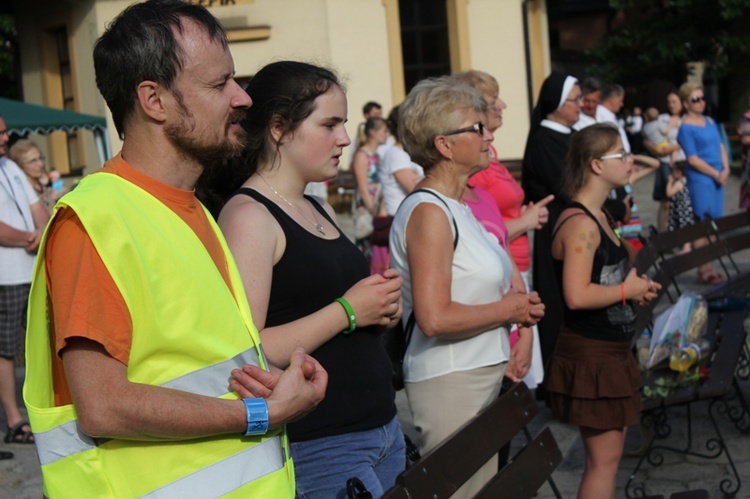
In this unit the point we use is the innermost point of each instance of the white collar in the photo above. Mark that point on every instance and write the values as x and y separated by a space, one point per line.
553 125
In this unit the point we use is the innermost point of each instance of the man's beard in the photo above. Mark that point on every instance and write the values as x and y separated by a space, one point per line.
207 154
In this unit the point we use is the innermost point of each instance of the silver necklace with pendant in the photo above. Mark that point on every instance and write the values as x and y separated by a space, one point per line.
314 223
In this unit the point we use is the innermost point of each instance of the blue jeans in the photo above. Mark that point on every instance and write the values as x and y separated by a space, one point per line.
322 466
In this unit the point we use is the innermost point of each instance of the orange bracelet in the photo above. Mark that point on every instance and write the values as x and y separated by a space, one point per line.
622 292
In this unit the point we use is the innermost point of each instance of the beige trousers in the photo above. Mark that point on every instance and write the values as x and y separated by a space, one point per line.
439 406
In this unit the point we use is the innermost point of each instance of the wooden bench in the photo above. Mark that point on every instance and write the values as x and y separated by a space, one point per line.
726 334
444 469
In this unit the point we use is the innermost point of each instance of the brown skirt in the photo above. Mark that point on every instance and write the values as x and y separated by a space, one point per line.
593 383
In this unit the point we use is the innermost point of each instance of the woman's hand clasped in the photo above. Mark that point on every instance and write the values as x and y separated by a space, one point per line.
640 289
527 309
376 300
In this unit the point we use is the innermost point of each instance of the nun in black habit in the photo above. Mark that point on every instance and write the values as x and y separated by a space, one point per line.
547 146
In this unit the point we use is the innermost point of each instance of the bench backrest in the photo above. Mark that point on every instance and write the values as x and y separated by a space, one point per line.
444 469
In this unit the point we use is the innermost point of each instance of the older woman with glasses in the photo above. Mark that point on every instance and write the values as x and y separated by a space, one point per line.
708 166
456 276
48 185
503 191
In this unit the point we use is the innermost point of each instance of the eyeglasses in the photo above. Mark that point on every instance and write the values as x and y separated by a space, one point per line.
39 159
477 128
697 98
578 99
623 156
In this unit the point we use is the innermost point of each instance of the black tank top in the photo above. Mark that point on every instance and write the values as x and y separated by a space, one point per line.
615 322
311 274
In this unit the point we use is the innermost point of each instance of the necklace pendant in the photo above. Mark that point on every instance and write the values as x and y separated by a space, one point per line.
320 229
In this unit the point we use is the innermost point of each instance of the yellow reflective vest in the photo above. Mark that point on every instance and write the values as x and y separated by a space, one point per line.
189 331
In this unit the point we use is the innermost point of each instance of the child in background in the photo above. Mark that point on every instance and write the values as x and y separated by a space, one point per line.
680 208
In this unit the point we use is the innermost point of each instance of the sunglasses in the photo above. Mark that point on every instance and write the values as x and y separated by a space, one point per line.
477 128
697 99
623 156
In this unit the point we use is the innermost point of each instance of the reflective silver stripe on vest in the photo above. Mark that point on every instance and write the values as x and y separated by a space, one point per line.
212 381
63 441
226 475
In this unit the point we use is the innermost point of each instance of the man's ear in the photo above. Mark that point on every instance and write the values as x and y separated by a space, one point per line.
444 146
150 98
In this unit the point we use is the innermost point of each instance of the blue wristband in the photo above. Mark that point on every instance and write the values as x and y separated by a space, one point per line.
257 416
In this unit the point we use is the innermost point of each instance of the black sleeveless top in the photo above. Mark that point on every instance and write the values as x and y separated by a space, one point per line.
311 274
615 322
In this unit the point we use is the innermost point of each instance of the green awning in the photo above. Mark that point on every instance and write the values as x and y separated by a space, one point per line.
22 118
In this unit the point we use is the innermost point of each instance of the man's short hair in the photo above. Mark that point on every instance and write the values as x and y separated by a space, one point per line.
590 85
612 90
140 45
369 106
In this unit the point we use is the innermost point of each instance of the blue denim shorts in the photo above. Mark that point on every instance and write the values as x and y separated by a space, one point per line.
323 465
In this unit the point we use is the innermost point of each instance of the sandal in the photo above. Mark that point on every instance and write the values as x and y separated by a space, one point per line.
710 277
17 435
5 455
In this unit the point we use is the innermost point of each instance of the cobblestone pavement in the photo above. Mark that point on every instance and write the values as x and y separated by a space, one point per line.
20 477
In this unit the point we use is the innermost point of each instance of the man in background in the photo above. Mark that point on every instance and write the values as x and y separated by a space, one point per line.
22 219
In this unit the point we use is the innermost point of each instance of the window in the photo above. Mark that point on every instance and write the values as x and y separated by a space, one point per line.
424 40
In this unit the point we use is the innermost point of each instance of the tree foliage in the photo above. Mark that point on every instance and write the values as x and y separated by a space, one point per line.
8 57
661 36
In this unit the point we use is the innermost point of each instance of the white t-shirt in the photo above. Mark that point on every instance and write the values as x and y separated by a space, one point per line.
481 274
16 198
584 120
604 115
395 159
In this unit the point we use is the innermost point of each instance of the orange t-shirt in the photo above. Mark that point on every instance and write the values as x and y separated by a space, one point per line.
83 299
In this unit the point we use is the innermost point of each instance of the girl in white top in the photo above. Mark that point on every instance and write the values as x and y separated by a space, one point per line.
398 173
461 298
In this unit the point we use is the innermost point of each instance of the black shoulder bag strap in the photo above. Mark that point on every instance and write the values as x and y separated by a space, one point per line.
410 322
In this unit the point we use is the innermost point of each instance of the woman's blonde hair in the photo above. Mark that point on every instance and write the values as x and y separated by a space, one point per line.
686 89
434 107
484 83
20 148
372 124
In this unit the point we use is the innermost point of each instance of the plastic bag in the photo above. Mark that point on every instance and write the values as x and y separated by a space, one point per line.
681 324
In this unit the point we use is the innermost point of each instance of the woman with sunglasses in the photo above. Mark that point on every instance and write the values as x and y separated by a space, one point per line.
592 378
708 166
456 276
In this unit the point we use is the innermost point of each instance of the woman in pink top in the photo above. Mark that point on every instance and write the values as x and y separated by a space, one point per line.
508 197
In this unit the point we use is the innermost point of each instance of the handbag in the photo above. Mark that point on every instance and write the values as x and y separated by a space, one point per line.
363 219
362 223
396 340
381 230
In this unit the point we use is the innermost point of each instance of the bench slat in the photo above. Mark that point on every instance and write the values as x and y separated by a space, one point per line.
528 471
731 334
444 469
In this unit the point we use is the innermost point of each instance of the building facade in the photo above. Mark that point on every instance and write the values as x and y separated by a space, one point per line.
380 48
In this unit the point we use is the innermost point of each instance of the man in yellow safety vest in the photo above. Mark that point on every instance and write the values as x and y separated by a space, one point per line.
140 342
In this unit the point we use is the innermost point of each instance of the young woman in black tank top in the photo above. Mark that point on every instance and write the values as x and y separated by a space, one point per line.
592 377
295 263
